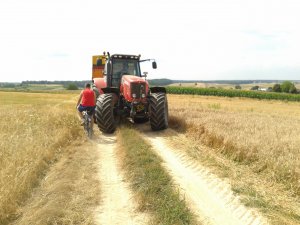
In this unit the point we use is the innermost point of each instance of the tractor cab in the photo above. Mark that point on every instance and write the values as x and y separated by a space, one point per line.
119 65
124 65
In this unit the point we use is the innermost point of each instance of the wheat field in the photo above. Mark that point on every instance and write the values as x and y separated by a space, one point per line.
257 138
37 128
267 132
34 129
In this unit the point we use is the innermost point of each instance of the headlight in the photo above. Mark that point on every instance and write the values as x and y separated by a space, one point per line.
134 95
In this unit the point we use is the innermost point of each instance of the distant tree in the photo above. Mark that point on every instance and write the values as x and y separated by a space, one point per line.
238 87
72 87
276 88
255 88
293 90
160 82
288 87
8 85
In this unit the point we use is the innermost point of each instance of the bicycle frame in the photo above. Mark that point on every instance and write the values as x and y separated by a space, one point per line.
88 123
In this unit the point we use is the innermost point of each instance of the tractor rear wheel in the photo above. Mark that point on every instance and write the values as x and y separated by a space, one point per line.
158 109
106 119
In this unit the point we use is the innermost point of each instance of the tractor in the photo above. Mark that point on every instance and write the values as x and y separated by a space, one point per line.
125 93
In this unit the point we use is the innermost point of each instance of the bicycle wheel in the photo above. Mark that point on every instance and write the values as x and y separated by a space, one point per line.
89 127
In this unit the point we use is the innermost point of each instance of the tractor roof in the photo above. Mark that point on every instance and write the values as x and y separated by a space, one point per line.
121 56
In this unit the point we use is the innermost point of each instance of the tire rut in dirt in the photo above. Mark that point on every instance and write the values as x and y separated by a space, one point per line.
105 113
158 111
117 206
208 196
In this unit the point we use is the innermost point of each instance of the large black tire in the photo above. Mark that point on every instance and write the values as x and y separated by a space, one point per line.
158 109
106 119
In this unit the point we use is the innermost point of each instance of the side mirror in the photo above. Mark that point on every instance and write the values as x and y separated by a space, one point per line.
108 68
154 66
145 74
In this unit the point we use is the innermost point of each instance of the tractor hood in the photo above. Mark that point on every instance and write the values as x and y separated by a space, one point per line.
134 87
132 79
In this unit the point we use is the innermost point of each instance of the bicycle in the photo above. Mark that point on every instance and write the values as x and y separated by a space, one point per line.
87 125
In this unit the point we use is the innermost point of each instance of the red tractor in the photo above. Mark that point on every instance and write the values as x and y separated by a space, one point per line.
125 92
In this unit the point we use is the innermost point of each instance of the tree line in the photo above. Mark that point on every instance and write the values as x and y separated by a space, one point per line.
78 84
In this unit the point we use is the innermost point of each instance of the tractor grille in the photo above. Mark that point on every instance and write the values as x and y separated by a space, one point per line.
138 89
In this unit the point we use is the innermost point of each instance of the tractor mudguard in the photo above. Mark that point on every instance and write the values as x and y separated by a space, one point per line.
158 89
114 90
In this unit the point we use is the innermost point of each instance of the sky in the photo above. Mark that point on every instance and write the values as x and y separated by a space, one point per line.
190 39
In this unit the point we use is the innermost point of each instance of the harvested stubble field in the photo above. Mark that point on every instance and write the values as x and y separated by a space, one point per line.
256 145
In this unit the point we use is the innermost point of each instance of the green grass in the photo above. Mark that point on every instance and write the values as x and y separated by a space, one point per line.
277 213
232 93
151 183
253 199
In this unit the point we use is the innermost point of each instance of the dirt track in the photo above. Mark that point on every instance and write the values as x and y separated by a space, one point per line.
209 198
117 205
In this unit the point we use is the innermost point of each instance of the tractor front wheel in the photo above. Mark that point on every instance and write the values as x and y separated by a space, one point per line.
158 109
106 119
